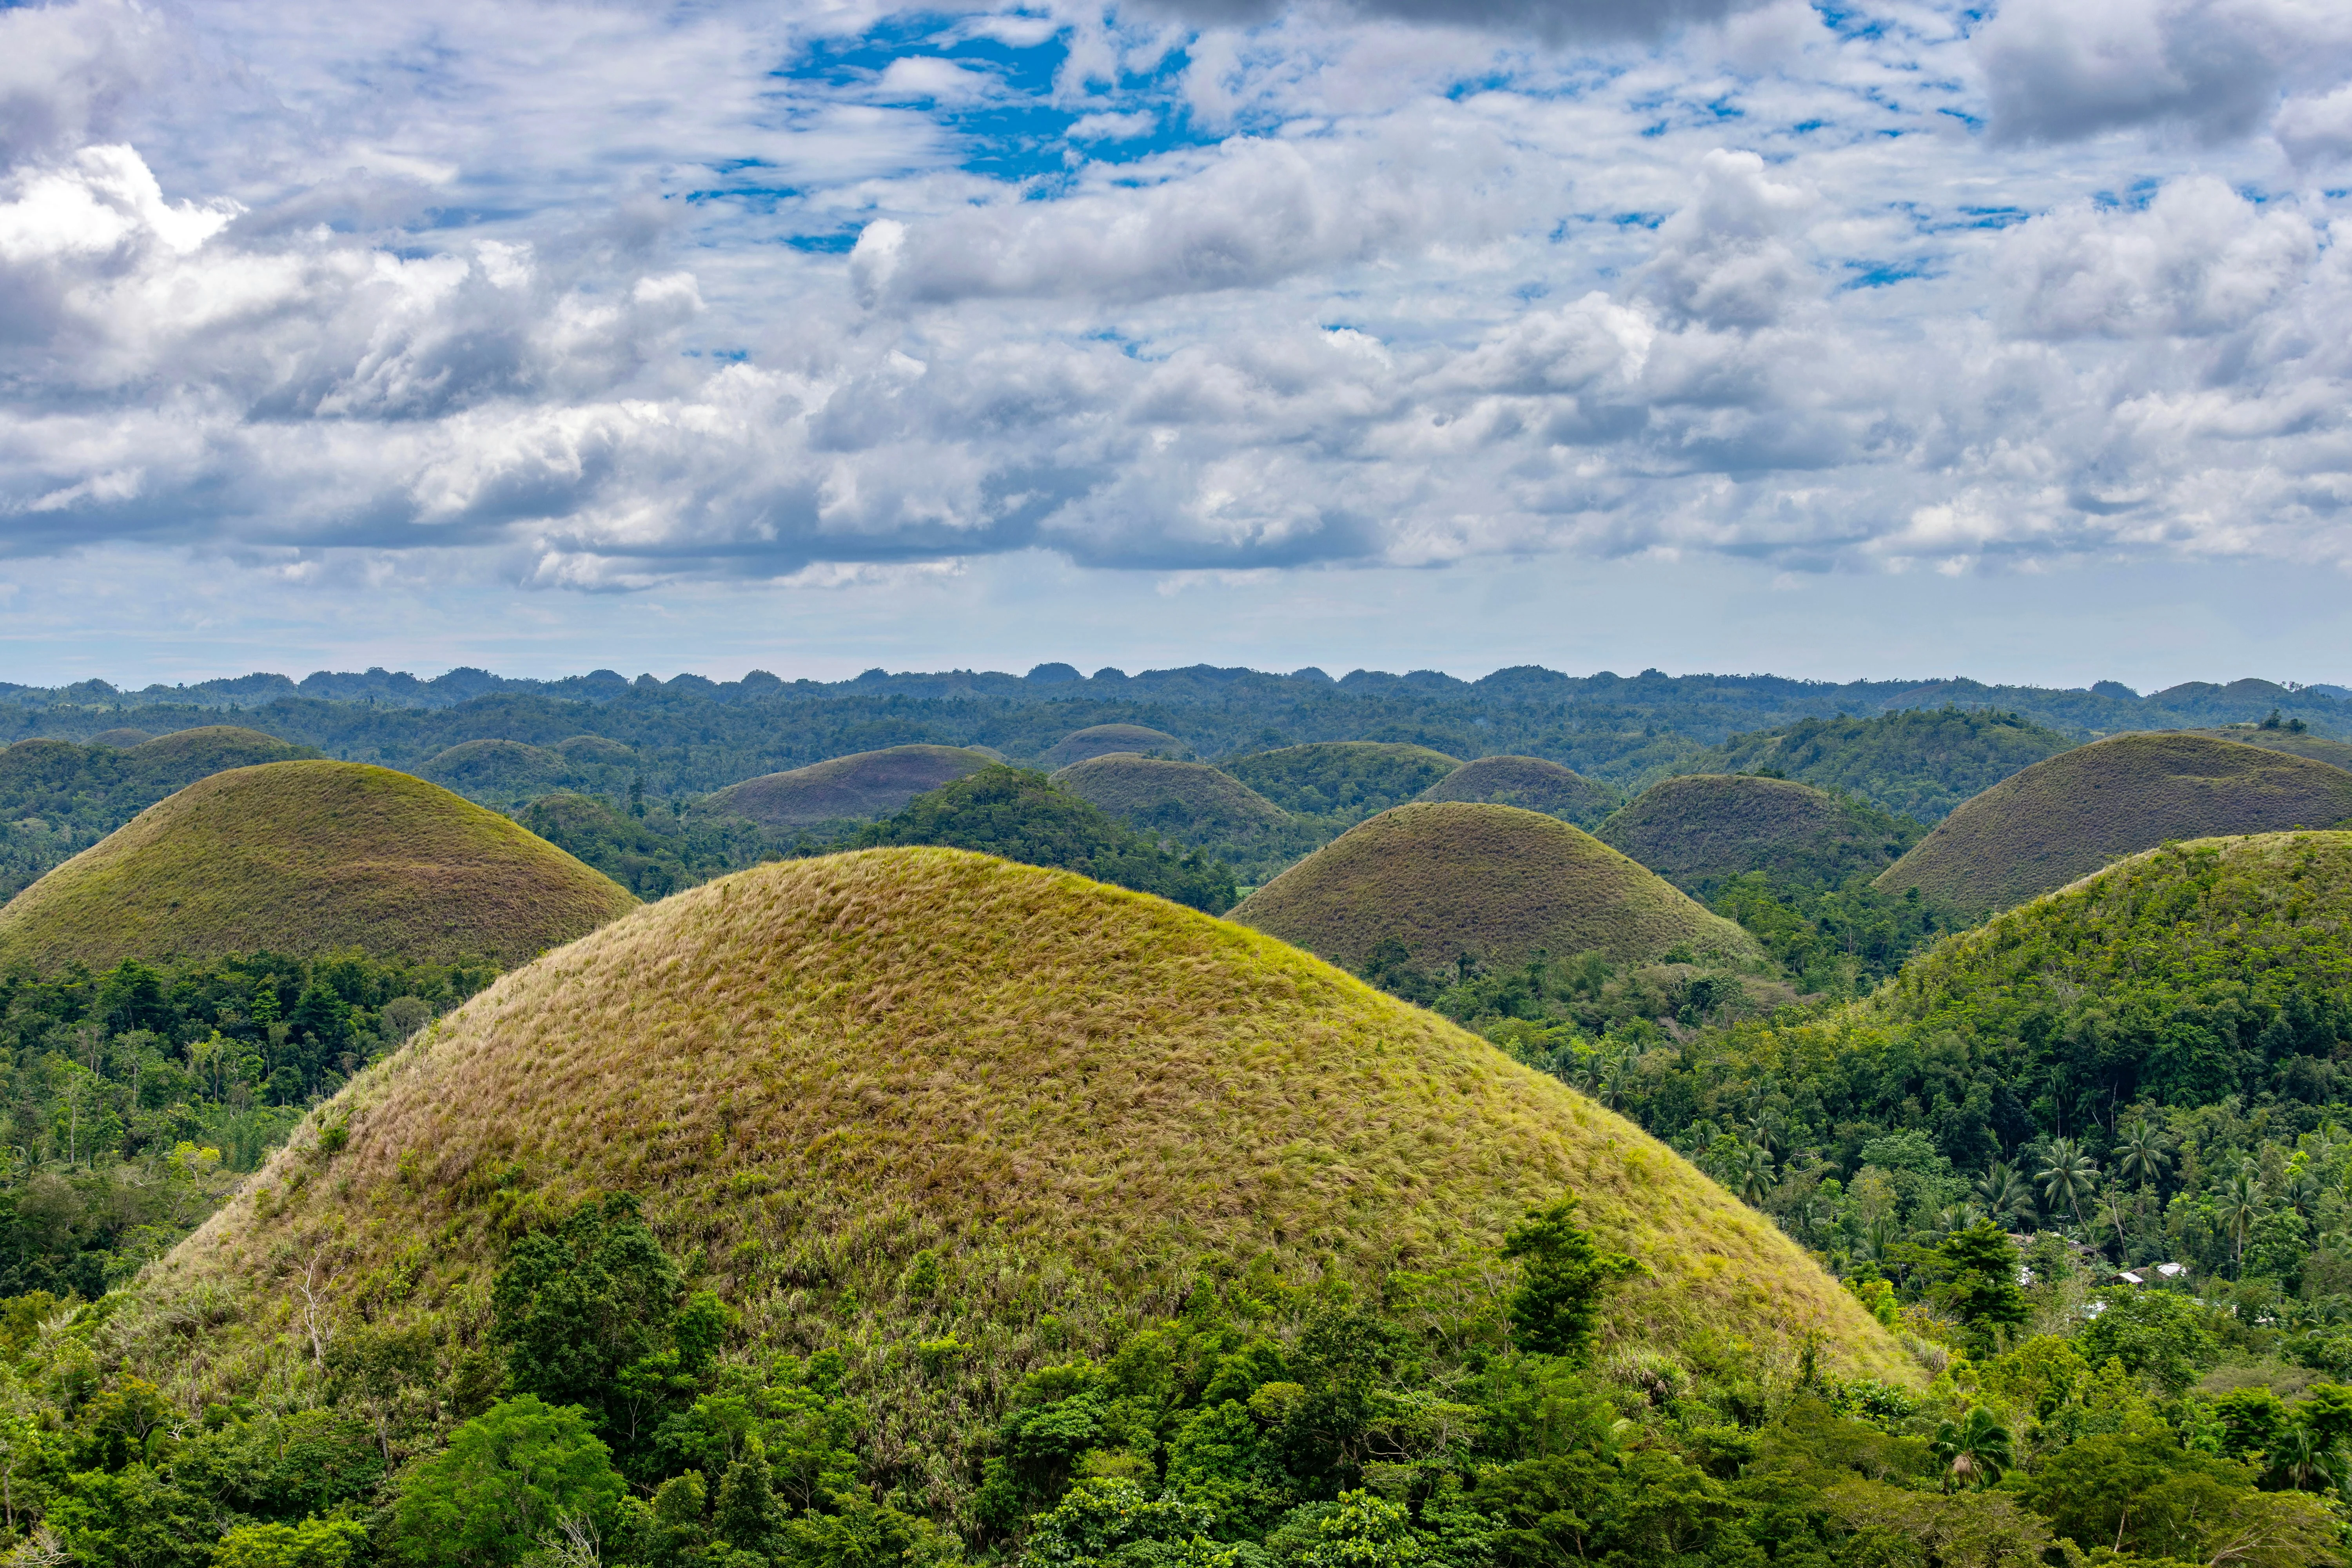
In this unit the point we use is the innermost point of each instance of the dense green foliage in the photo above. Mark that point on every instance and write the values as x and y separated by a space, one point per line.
1019 816
1198 806
1337 783
136 1096
653 851
1920 763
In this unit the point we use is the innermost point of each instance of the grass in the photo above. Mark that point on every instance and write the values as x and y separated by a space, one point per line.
1196 806
2319 748
120 740
1075 1096
1107 739
1342 782
1700 831
1529 783
505 767
2065 817
1493 881
309 857
183 757
846 789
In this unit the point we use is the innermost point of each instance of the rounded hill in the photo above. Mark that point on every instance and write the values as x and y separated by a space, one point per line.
595 749
867 784
1342 781
1531 783
120 740
2319 748
184 756
2067 817
1057 1099
1494 882
309 857
1105 739
1180 799
483 767
1700 830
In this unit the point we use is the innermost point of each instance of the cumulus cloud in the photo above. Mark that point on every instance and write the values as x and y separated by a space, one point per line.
1553 21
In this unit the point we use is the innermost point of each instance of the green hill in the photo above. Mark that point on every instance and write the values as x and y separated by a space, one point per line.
1109 740
2319 748
923 1098
120 740
1530 784
846 789
1340 783
1494 882
495 767
2067 817
57 797
595 751
1699 832
1919 763
309 857
1194 805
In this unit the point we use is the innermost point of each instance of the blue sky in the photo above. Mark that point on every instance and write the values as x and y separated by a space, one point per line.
1830 339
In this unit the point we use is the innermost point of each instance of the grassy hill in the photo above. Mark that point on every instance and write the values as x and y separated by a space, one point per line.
1052 1103
495 767
1194 805
846 789
120 740
1528 783
2067 817
57 797
1107 739
309 857
1340 783
1492 882
1921 762
2319 748
653 853
1699 832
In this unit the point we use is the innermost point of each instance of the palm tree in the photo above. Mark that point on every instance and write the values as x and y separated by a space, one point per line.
1975 1450
2240 1206
2299 1460
2070 1176
2006 1194
2141 1155
1752 1177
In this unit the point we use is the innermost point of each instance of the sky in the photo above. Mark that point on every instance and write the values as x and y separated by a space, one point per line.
2006 340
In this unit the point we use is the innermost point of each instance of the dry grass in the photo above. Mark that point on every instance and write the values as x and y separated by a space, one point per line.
1529 783
2065 817
2319 748
120 740
1491 880
1131 786
1076 1095
852 788
309 858
184 756
1698 830
1108 740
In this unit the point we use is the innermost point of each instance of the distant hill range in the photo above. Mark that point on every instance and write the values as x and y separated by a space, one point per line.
1920 763
1700 831
2068 816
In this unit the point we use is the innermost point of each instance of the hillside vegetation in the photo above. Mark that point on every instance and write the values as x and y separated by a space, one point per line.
502 768
309 857
1494 884
1701 831
1530 784
846 789
651 851
2301 744
1053 1102
2067 817
1920 763
1340 783
1109 739
1192 804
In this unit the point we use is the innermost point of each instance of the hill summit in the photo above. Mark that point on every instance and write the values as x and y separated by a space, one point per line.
1059 1100
845 789
1491 882
309 857
1529 783
2067 817
1700 830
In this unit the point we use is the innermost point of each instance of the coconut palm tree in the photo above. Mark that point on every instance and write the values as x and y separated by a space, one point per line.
2142 1155
2299 1460
2239 1206
2006 1196
2069 1176
1974 1450
1751 1178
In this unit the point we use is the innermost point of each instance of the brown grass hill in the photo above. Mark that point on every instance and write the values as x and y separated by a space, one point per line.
120 740
1342 782
595 751
1185 801
305 858
496 768
1107 739
2319 748
846 789
1700 831
1070 1097
2065 817
1531 783
1492 882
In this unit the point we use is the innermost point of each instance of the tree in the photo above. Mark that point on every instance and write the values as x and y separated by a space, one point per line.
2157 1335
1367 1532
1980 1280
1975 1450
508 1477
2142 1156
2068 1176
313 1544
577 1303
2008 1197
2239 1207
1751 1178
1563 1276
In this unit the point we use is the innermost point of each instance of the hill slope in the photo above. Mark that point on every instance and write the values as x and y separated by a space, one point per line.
501 767
2319 748
309 857
2066 817
1492 882
1109 739
1194 805
1529 783
846 789
1069 1095
1341 782
1698 832
1921 762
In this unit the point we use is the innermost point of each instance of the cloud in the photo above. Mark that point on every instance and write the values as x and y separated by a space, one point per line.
1552 21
